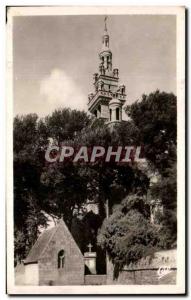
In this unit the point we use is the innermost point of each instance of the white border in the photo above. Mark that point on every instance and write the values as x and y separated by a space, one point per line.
114 289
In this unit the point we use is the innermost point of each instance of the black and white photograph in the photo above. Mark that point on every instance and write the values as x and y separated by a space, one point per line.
96 150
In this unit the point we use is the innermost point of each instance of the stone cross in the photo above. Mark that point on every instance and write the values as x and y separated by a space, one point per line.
90 247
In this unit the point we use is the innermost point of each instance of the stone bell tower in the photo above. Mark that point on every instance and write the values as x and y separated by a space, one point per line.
108 98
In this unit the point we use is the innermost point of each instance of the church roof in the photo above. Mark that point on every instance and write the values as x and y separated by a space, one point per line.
43 240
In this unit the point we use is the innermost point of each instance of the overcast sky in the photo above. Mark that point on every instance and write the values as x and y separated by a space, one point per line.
56 56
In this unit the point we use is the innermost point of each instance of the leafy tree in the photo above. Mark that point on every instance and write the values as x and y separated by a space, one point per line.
65 123
28 164
99 181
127 234
66 190
32 193
155 117
111 181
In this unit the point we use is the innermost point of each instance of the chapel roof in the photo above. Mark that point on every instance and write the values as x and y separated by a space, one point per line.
43 240
40 245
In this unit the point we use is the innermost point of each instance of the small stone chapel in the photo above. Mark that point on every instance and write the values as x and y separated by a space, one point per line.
56 259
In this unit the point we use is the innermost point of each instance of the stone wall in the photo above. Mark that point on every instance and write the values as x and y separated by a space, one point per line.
95 279
31 274
20 274
161 269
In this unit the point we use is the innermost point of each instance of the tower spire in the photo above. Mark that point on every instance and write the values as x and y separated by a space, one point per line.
105 23
108 98
105 54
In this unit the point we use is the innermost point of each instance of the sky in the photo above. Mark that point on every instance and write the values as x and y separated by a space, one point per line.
55 57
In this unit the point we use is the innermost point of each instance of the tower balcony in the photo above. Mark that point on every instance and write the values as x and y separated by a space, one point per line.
94 98
121 97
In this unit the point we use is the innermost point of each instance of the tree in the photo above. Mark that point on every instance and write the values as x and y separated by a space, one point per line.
34 192
127 235
28 164
66 190
64 124
155 117
111 178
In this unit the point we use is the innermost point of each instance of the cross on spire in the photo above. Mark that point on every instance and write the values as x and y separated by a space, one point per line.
90 247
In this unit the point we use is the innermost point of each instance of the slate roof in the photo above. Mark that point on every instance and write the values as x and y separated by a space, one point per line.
40 245
43 240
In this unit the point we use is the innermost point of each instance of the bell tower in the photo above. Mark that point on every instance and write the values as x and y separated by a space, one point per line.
108 97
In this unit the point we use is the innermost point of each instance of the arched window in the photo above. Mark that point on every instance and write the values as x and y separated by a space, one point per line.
117 113
61 257
110 114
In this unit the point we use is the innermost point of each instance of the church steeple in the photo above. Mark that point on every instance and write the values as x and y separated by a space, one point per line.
108 98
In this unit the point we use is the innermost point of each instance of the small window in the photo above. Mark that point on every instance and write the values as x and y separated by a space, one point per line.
61 257
110 114
117 113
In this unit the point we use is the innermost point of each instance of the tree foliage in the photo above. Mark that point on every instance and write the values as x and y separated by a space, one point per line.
38 188
28 162
155 117
127 234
